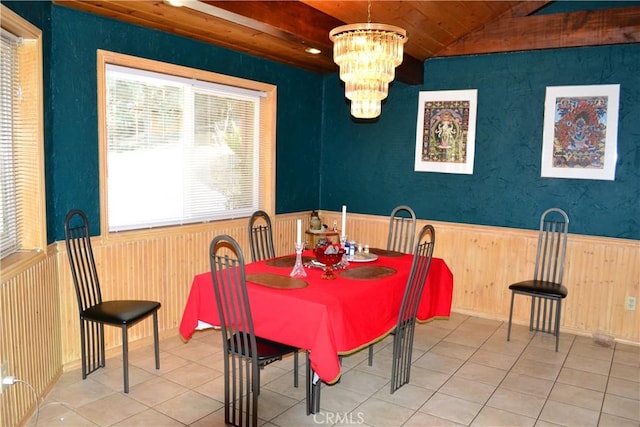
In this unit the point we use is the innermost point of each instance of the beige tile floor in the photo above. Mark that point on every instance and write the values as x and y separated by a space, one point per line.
464 373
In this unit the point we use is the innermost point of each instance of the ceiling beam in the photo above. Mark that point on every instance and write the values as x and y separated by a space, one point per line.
289 20
576 29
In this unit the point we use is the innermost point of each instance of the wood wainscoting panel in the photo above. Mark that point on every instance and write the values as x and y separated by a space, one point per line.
30 339
599 272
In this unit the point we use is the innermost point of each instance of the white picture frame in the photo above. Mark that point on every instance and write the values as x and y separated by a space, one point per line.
446 131
580 135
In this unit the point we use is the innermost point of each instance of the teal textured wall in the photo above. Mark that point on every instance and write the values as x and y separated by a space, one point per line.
325 159
72 152
369 165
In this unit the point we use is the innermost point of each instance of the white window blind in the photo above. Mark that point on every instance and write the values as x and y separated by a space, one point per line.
179 150
22 189
9 96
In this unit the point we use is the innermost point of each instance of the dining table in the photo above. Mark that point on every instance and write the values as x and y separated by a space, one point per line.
328 318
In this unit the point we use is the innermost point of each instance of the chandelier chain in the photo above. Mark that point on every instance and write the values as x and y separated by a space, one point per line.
369 12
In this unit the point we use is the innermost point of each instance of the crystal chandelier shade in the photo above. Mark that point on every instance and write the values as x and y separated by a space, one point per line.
367 55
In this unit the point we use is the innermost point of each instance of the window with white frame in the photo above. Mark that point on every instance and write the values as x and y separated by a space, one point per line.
180 149
22 197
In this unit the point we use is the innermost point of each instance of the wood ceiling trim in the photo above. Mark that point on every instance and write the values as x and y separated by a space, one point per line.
206 28
576 29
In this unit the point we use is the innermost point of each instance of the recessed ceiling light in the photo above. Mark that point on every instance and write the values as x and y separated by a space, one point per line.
312 50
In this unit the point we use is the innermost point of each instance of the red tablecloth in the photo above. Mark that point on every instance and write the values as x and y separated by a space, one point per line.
328 317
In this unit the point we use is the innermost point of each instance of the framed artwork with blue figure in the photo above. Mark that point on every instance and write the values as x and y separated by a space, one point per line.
446 129
580 134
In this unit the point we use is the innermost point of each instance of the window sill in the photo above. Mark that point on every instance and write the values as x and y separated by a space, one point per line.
19 262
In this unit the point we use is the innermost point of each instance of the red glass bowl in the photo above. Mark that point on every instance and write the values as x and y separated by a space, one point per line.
328 260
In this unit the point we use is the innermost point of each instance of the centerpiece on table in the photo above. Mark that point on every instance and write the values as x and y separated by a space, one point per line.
328 254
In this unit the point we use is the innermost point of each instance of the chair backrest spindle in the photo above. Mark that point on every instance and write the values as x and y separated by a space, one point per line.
552 245
422 256
81 260
402 229
261 236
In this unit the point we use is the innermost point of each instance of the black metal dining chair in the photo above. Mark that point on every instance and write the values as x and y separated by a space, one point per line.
261 236
403 333
246 354
402 230
94 311
546 289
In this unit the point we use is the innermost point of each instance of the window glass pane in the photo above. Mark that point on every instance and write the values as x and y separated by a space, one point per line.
9 90
179 151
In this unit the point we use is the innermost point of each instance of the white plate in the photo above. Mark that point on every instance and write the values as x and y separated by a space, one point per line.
362 257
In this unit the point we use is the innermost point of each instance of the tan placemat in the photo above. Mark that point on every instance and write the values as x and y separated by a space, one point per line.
276 281
367 272
384 252
287 261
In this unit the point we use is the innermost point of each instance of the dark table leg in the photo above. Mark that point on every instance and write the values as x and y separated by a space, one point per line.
313 391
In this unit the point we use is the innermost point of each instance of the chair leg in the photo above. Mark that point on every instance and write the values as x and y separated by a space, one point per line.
252 407
533 310
228 409
308 381
156 339
313 390
513 294
316 396
125 358
370 355
103 355
257 390
547 312
557 331
83 348
295 369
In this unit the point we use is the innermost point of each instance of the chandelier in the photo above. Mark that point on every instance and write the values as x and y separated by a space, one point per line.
367 55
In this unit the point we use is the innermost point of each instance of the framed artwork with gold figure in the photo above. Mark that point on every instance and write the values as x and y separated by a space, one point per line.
446 129
580 134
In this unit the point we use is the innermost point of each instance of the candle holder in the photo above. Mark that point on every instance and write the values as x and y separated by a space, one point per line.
298 268
344 262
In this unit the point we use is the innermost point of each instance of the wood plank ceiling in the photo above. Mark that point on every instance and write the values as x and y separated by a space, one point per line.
282 30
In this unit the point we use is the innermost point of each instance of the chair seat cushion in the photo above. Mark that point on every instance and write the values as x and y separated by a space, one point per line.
540 287
268 350
120 312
